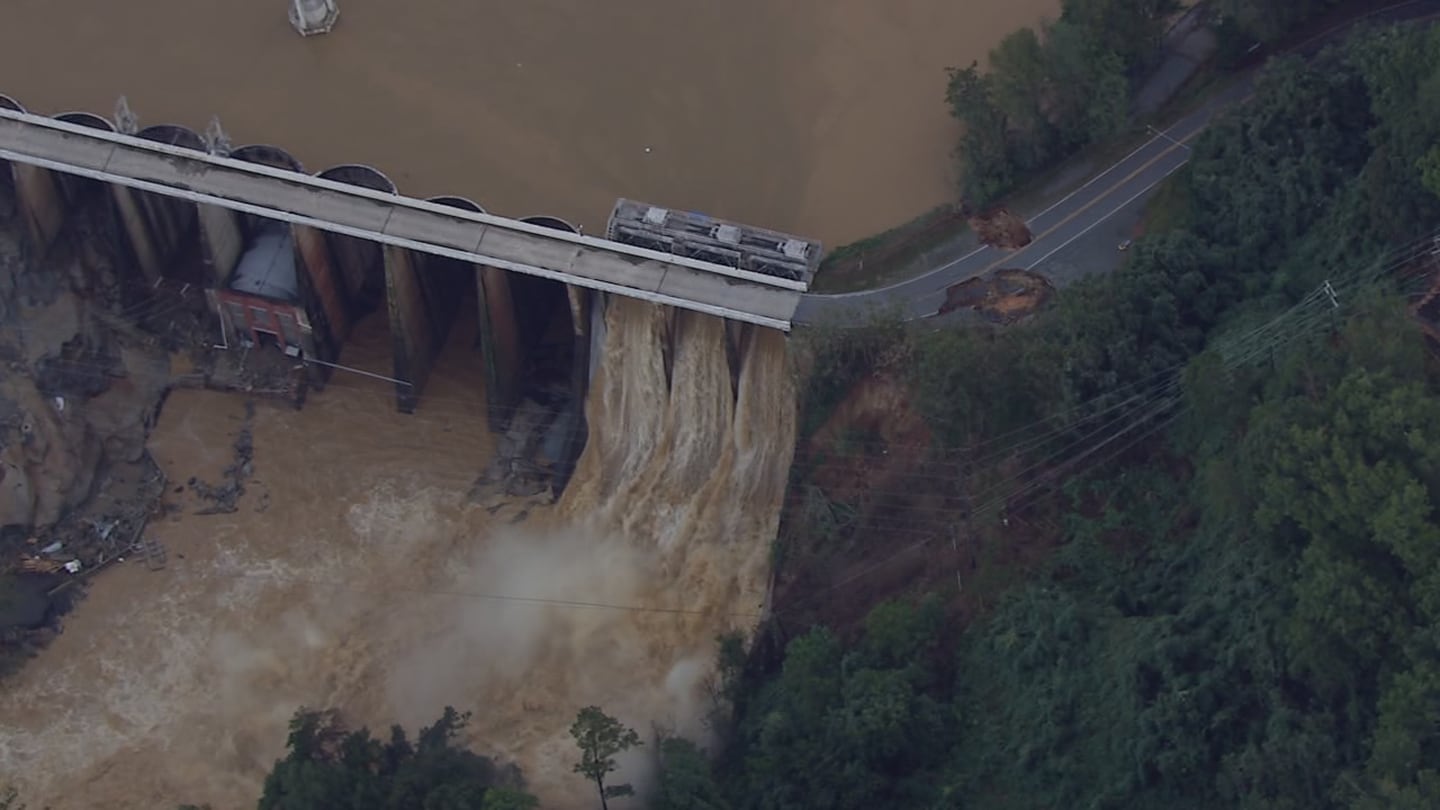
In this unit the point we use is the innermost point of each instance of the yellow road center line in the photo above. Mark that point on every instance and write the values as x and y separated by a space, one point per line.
1010 257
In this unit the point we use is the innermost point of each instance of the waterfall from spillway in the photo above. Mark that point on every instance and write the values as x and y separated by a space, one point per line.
687 465
672 509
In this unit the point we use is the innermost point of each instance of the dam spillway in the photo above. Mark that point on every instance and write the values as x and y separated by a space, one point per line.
666 430
293 260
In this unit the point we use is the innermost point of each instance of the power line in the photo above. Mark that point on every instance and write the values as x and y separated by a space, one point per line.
477 595
1327 292
1302 319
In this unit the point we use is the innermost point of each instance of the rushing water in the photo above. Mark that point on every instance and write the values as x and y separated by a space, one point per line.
357 574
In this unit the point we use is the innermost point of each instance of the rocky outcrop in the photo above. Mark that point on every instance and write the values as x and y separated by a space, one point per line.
80 384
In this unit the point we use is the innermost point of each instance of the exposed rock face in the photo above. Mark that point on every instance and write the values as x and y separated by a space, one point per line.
49 458
79 385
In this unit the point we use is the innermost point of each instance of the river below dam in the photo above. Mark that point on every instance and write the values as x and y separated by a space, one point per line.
825 118
357 570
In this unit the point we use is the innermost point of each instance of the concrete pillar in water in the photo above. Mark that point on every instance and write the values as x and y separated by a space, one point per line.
310 17
128 204
500 330
220 234
132 219
359 264
444 281
320 291
221 241
597 334
575 428
75 189
410 329
40 203
157 227
37 196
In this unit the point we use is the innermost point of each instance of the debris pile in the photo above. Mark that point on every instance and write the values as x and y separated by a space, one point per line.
527 458
47 570
261 373
223 497
999 228
1004 296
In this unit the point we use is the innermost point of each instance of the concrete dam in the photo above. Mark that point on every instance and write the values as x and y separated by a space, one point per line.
290 261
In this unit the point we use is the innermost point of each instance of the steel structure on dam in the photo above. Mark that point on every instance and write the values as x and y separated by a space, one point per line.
703 237
183 172
294 261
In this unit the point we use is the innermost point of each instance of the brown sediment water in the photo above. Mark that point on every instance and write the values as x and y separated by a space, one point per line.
821 117
357 574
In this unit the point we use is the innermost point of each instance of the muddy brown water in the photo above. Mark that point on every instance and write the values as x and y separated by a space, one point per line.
821 117
355 572
358 574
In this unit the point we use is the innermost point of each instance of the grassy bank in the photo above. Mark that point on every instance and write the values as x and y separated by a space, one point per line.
891 256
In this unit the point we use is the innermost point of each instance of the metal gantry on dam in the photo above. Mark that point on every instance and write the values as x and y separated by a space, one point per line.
294 260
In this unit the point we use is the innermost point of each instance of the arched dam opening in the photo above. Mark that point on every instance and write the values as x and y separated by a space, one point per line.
360 263
537 334
172 253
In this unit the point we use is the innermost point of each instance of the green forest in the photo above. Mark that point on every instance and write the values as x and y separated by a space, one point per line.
1243 610
1242 607
1053 90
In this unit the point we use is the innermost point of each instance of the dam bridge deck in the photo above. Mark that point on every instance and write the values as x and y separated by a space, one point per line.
387 218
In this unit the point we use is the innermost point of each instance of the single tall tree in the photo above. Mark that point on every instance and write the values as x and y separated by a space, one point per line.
600 737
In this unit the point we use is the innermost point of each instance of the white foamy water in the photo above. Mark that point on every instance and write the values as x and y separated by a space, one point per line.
365 580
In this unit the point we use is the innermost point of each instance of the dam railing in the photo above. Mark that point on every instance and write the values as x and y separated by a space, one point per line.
393 219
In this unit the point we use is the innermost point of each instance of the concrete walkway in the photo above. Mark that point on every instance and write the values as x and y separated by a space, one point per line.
392 219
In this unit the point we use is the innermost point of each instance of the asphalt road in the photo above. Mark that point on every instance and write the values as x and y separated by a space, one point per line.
1074 216
1065 221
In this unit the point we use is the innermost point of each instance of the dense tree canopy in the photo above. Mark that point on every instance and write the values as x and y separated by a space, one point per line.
328 766
1047 93
1271 19
1063 85
1242 611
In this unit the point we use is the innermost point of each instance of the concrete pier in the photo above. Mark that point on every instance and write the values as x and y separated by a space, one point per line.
424 294
389 218
411 337
78 190
160 227
290 262
575 428
37 195
360 262
500 340
323 291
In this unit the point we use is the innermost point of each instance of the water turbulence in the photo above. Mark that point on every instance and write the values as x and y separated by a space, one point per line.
373 584
664 533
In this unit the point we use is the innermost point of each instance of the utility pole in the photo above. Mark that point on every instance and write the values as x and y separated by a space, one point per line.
1334 307
964 525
